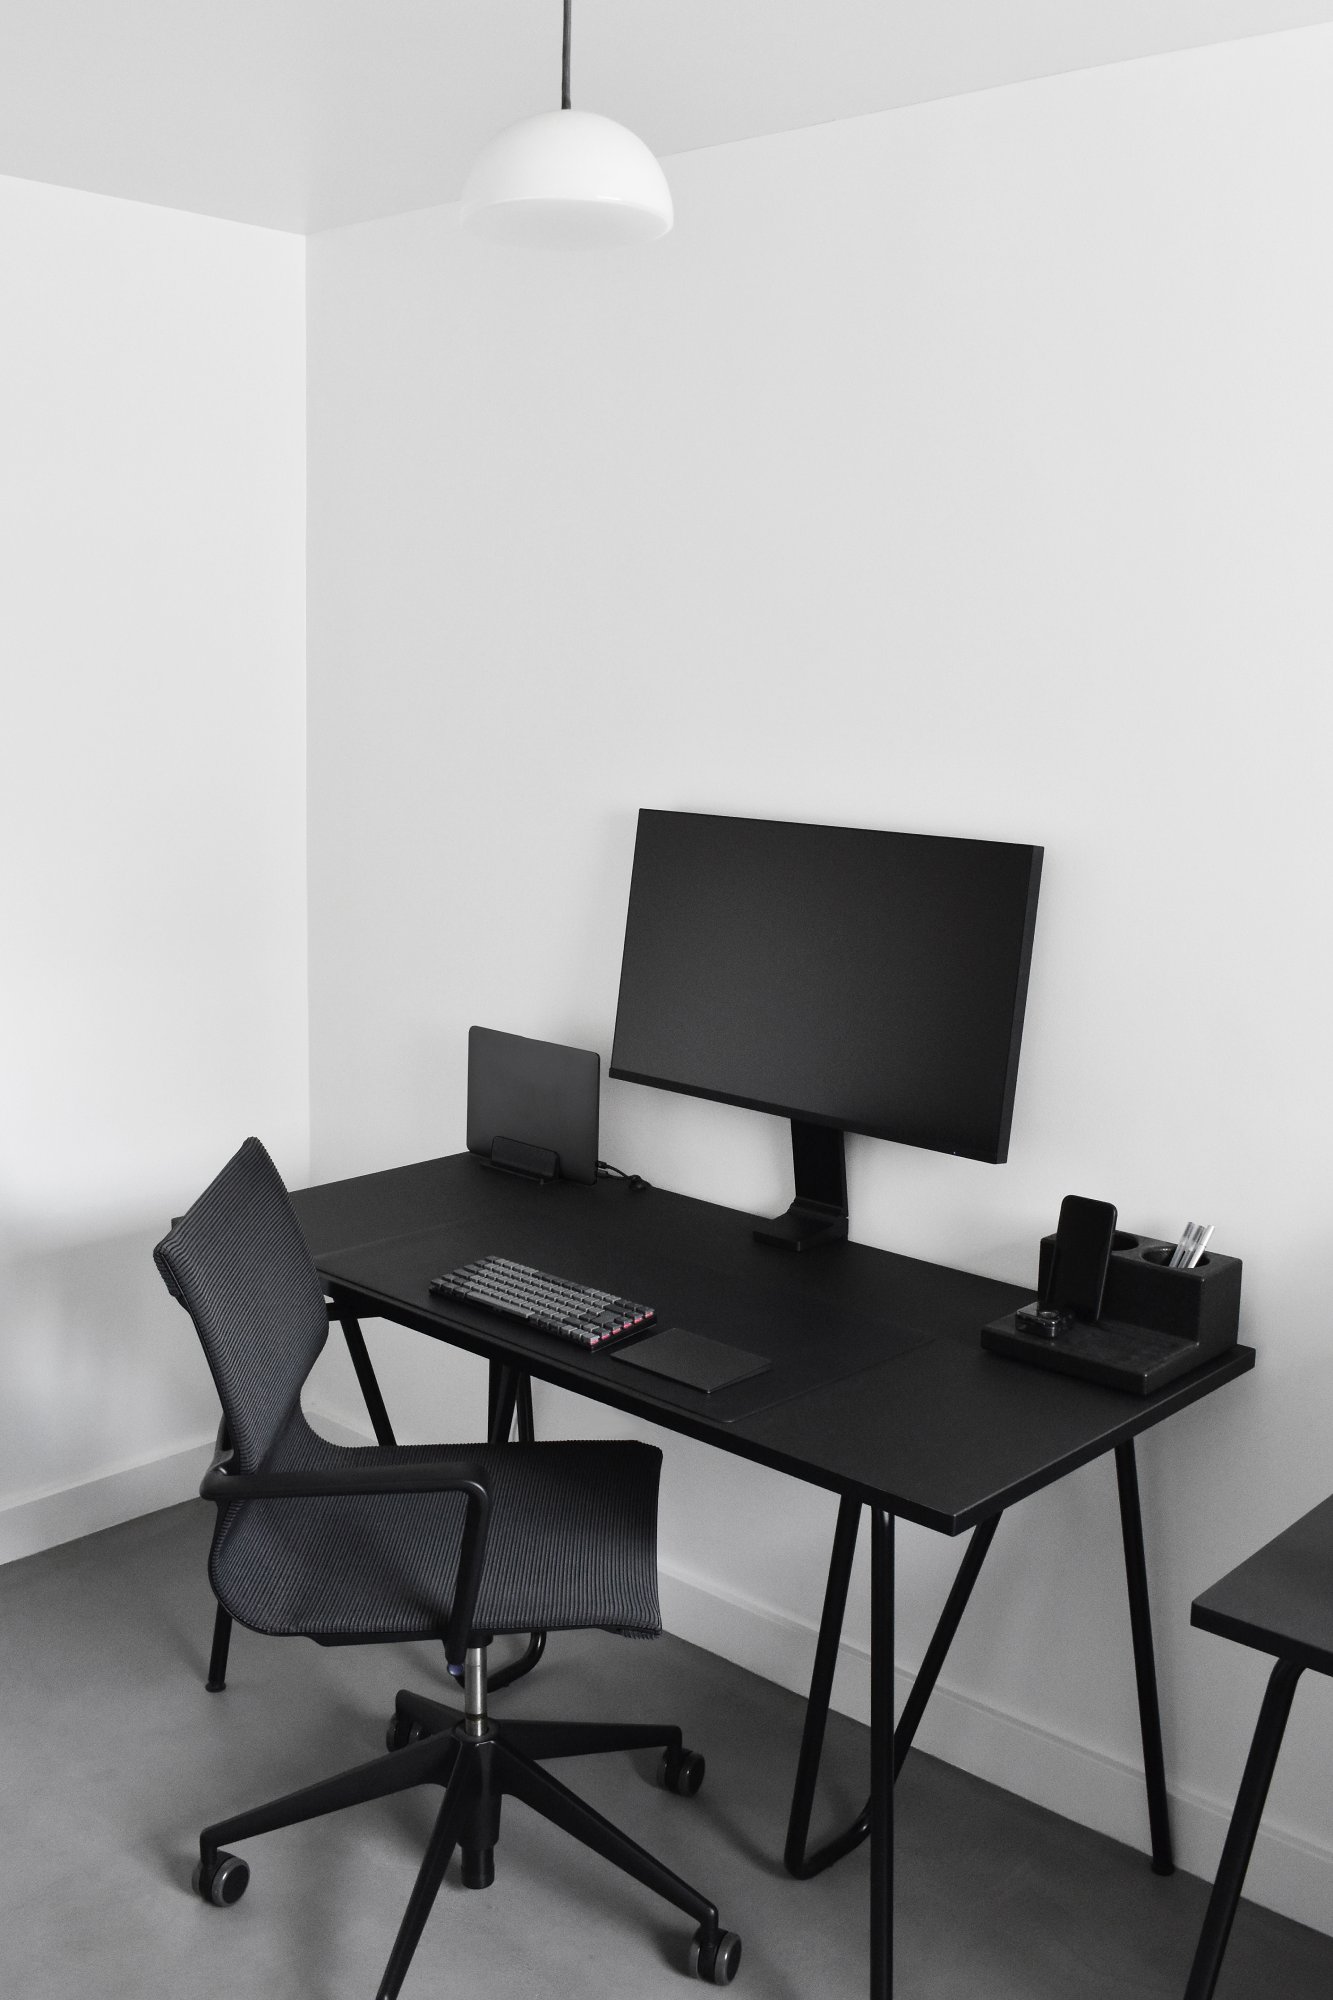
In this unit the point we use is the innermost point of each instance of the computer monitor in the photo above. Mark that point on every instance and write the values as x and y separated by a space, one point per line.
849 980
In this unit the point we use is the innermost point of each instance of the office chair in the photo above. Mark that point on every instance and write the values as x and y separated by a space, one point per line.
1280 1601
349 1545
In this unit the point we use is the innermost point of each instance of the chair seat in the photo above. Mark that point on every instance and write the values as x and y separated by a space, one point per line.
572 1543
1280 1600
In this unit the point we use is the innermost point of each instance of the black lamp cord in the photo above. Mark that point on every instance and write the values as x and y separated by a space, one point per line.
606 1172
564 65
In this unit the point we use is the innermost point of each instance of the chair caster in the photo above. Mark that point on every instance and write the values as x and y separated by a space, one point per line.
716 1963
222 1881
681 1771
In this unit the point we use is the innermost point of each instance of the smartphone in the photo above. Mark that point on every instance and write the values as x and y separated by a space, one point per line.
1082 1253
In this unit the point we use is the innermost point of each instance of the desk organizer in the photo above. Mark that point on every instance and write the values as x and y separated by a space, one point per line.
1156 1323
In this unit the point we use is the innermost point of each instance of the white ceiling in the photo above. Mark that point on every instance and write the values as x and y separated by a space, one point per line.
302 114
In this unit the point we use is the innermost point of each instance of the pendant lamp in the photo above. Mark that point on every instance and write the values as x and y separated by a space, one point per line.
567 179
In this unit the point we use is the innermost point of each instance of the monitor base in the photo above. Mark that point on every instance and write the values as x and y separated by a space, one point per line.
803 1227
819 1213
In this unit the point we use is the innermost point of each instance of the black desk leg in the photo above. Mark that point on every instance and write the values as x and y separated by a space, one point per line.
941 1639
507 1389
797 1861
501 1399
881 1754
509 1393
365 1375
1145 1670
1244 1826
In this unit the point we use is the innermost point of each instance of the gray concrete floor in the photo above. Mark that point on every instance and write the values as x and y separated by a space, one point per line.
112 1756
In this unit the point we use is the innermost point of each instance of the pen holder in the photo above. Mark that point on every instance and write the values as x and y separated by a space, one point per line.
1156 1323
1141 1290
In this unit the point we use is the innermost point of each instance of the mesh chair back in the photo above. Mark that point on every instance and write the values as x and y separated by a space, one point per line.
238 1263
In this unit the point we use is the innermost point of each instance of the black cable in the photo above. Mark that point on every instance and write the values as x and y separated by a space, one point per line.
635 1182
564 66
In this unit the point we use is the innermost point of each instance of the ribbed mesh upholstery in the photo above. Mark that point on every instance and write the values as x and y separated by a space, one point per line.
238 1263
572 1542
573 1527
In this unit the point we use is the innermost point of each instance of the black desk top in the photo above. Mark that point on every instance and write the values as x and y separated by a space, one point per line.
1280 1599
880 1387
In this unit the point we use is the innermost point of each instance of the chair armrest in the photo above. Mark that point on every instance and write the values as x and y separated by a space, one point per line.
415 1476
328 1482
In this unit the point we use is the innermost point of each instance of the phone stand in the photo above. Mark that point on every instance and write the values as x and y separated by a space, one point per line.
1156 1323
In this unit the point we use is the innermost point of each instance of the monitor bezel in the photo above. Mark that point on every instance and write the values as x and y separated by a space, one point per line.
803 1115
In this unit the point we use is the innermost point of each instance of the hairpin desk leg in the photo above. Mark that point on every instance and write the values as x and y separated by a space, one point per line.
501 1400
508 1391
1145 1670
365 1374
796 1860
526 1427
881 1754
1244 1826
510 1395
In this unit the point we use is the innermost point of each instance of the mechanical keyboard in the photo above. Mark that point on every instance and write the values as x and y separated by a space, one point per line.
579 1313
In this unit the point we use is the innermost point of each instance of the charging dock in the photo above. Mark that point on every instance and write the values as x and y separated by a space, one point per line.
1156 1323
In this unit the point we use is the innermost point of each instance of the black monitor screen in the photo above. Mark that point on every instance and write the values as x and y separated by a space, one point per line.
870 981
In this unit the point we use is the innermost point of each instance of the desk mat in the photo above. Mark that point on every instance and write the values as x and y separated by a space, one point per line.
682 1356
809 1341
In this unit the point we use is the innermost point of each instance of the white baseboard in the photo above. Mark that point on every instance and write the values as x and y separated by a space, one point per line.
30 1522
1288 1873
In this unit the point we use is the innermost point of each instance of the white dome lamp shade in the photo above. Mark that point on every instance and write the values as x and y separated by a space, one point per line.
567 179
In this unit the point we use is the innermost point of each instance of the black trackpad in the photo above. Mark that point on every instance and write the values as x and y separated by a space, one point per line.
690 1358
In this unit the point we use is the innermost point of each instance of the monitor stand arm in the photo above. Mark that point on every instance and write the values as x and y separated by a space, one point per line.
819 1213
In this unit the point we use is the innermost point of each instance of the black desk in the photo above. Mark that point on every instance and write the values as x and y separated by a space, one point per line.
900 1410
1280 1601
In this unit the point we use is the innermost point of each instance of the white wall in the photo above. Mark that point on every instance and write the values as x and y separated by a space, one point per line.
962 469
152 812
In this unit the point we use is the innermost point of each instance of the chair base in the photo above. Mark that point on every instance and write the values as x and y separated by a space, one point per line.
478 1764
